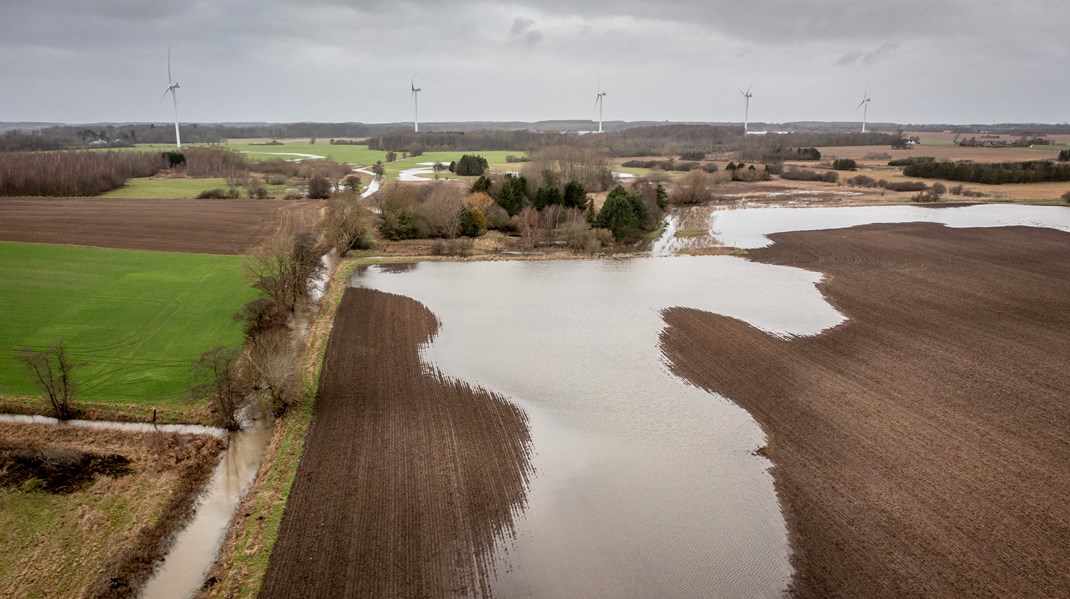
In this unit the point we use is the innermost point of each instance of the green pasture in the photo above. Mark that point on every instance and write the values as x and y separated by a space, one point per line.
148 187
154 188
136 320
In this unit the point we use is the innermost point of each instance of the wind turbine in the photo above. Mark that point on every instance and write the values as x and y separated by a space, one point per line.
746 105
415 104
864 105
598 99
171 87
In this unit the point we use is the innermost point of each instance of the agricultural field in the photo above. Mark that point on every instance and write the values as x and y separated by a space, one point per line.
915 444
390 413
135 319
199 226
495 159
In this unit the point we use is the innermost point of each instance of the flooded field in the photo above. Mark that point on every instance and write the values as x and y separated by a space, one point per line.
643 483
749 228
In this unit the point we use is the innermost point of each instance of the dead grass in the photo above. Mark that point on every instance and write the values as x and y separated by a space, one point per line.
78 544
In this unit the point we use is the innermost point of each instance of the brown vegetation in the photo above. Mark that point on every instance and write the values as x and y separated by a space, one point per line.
408 479
72 173
198 226
920 447
104 534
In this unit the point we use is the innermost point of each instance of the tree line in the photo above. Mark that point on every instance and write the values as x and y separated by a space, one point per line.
1032 171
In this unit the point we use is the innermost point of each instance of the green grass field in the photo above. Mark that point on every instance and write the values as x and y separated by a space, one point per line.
137 320
164 188
153 188
496 161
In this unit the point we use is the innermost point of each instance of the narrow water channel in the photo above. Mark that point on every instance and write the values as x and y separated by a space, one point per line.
196 545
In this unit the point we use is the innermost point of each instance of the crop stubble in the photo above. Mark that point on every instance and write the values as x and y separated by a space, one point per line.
408 478
921 447
195 226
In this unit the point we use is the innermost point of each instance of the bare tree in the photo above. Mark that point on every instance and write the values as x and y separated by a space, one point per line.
441 210
51 371
273 360
529 222
217 379
282 267
345 225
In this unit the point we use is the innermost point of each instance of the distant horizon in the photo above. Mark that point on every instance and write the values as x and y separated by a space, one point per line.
6 125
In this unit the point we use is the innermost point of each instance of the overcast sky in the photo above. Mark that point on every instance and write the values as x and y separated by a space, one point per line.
925 61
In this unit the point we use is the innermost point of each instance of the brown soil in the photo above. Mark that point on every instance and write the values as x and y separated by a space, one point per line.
921 447
57 469
197 226
407 478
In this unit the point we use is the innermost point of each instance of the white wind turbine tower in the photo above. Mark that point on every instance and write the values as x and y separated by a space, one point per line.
864 105
598 99
415 104
746 105
171 87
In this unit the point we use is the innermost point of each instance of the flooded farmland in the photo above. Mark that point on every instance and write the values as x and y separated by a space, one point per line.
643 483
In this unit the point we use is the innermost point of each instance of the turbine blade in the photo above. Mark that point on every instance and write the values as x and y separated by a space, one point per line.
164 95
860 104
750 86
169 65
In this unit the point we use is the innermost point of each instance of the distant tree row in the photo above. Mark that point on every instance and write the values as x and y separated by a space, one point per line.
1034 171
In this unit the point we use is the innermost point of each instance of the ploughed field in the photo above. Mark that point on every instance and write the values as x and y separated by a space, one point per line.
197 226
921 447
408 479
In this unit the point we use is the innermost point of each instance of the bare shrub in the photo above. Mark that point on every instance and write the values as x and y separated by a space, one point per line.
51 372
345 225
452 247
694 188
216 378
273 359
319 188
441 210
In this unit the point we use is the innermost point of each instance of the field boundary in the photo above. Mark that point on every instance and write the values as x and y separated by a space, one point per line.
243 559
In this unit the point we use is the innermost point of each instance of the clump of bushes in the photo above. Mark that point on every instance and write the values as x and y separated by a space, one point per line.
1032 171
807 175
844 164
911 160
692 156
469 166
319 188
218 193
1066 197
461 246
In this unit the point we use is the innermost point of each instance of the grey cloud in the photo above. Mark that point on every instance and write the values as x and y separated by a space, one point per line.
523 32
868 58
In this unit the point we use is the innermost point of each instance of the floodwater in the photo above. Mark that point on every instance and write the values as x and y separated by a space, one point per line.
750 227
196 545
644 485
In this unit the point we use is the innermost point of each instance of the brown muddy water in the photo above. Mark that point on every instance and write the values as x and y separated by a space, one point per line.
644 485
195 547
